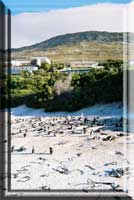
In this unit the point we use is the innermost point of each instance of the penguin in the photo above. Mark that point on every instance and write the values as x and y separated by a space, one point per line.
12 148
51 150
24 134
92 131
84 130
33 150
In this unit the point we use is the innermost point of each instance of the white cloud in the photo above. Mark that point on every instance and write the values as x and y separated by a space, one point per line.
30 28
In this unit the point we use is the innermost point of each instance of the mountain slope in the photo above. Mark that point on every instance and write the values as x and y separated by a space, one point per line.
75 38
87 45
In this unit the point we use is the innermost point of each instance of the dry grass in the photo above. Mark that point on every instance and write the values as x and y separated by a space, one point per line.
82 51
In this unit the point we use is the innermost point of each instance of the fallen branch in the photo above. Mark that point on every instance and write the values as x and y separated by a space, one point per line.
90 167
26 178
90 181
112 163
61 170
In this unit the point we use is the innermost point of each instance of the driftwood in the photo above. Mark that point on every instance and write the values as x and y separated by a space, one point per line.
112 163
63 170
93 183
88 166
26 178
44 175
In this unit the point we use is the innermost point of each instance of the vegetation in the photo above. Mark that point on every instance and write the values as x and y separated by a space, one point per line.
54 91
85 50
96 86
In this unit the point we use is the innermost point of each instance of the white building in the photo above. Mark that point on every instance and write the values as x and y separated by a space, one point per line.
39 60
18 70
17 63
84 64
131 62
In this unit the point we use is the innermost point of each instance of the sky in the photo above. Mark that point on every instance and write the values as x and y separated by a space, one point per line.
34 21
19 6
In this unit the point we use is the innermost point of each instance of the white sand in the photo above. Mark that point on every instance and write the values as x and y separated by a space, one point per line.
79 161
103 110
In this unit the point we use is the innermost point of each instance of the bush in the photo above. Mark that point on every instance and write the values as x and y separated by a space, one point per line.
39 90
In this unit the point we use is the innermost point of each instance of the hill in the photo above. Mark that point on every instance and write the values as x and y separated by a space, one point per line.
94 45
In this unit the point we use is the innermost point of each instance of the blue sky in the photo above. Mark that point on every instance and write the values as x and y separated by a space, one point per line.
20 6
34 21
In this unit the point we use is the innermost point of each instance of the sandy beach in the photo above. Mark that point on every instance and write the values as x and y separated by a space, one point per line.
88 153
